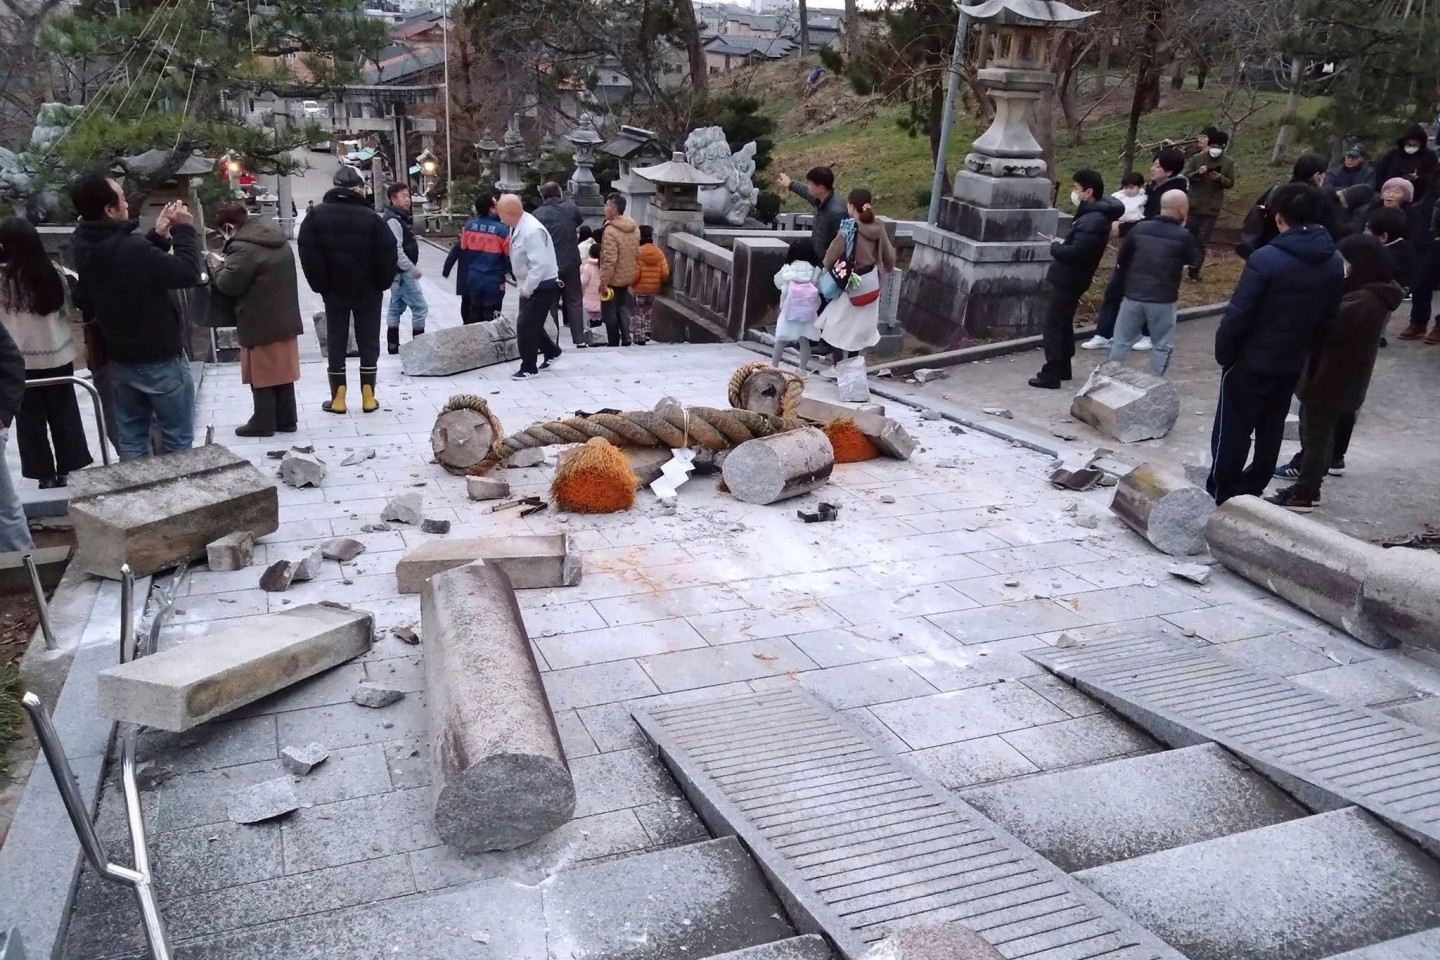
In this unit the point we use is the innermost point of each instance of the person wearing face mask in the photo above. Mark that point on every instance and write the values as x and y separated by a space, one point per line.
1285 302
1211 172
257 271
1073 262
1411 159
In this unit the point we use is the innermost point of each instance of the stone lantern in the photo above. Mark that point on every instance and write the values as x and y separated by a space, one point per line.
675 208
633 147
583 188
512 157
978 273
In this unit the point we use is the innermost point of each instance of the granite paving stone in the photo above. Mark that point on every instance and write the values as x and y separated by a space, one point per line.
405 673
983 624
350 725
1117 603
333 686
1370 683
574 738
745 660
1063 695
896 574
885 606
1236 621
1081 740
601 683
349 831
855 685
214 857
872 641
981 664
223 743
664 604
965 764
876 730
1275 655
736 625
1422 713
669 822
619 780
561 618
588 647
966 714
1025 585
1035 557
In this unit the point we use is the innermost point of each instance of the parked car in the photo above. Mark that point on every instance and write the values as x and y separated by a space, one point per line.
311 109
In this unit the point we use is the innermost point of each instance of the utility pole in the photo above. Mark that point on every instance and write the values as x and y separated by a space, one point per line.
952 90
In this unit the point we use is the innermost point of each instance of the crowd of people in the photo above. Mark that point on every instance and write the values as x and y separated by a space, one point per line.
1328 259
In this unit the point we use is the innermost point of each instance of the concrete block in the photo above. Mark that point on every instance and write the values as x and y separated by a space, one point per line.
451 350
851 381
1402 594
889 437
1127 404
302 469
159 511
301 760
406 508
487 488
49 562
784 465
322 330
1164 509
500 778
231 552
1318 569
933 941
187 685
531 563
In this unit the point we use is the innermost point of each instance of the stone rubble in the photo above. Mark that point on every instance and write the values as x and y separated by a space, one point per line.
301 760
264 801
434 526
486 488
1001 412
406 508
1194 572
233 551
375 695
359 457
343 549
929 374
405 635
277 577
302 470
308 567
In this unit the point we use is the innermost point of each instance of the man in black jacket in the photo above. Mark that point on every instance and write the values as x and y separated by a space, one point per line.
1287 297
14 530
562 220
125 289
1073 262
1150 261
349 258
818 190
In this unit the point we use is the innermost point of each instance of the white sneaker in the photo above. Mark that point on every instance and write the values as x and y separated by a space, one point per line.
1096 342
1143 344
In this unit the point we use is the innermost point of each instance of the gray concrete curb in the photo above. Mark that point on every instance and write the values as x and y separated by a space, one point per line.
40 860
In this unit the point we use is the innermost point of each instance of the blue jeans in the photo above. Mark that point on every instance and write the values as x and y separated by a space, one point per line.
14 531
162 389
1136 316
406 292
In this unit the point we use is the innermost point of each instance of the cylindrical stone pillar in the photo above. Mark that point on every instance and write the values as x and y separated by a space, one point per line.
501 780
784 465
461 439
1167 510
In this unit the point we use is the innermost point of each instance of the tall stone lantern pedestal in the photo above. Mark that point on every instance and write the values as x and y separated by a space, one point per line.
978 273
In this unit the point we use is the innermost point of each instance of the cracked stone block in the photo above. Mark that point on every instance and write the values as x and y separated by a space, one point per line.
264 801
889 437
376 695
486 488
302 470
277 577
452 350
850 380
1127 404
406 508
156 512
309 567
178 688
301 760
429 525
343 549
530 562
233 551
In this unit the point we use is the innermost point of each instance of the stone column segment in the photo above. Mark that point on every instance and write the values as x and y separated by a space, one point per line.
1164 509
775 468
531 563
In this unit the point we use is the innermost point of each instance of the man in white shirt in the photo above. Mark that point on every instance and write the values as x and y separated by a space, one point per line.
532 261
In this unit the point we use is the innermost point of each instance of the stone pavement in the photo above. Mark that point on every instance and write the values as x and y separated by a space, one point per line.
1390 483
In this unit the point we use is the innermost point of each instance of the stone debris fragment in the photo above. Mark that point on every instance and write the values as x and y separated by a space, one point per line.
306 448
435 526
302 470
358 457
486 488
343 549
405 635
231 552
928 374
1087 520
264 801
277 577
1001 412
276 454
850 382
1127 404
370 694
309 567
301 760
1066 640
526 457
930 414
886 498
406 508
1194 572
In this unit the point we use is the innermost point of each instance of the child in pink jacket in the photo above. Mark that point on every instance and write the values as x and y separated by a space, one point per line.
590 286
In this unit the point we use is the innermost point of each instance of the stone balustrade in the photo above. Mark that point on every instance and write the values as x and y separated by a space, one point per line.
696 308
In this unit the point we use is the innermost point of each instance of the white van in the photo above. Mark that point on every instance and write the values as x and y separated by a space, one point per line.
311 108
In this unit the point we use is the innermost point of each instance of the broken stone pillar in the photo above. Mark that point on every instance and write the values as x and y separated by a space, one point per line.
531 563
889 437
1127 404
763 391
851 383
774 468
461 439
231 552
156 512
449 350
178 688
933 941
1402 595
486 488
1164 509
501 779
1316 568
352 349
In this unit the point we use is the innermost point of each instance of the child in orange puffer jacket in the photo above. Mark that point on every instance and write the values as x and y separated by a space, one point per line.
652 272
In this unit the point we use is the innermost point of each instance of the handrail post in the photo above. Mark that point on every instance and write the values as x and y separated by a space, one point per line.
127 613
94 392
42 608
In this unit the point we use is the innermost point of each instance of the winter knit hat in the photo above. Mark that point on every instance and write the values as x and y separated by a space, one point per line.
348 177
1406 188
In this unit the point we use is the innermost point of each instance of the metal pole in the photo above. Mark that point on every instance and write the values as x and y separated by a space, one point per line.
952 90
449 174
94 392
41 607
127 613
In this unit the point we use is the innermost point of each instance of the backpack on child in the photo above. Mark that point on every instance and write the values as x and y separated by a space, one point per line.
802 302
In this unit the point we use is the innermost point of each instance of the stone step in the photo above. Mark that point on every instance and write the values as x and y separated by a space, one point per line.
812 947
1091 816
701 900
1302 890
1417 946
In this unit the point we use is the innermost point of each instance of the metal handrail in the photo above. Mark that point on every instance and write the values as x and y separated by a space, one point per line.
141 877
94 398
42 607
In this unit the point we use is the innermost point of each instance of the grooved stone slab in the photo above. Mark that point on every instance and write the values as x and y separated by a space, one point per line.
692 901
1325 752
1295 891
155 512
858 844
531 563
796 948
186 685
1091 816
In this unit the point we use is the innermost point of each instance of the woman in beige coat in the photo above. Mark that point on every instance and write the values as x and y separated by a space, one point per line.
851 323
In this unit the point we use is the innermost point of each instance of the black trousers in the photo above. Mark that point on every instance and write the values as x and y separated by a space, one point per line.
1250 403
339 314
1058 337
1201 227
572 306
1423 284
616 312
46 415
530 334
465 308
478 311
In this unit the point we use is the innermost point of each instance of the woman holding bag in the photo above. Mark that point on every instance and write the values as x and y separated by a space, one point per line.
257 271
862 251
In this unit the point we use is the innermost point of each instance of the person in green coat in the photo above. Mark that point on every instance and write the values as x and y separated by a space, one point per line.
1211 172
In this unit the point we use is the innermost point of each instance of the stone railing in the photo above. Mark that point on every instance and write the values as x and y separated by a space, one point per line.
701 275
